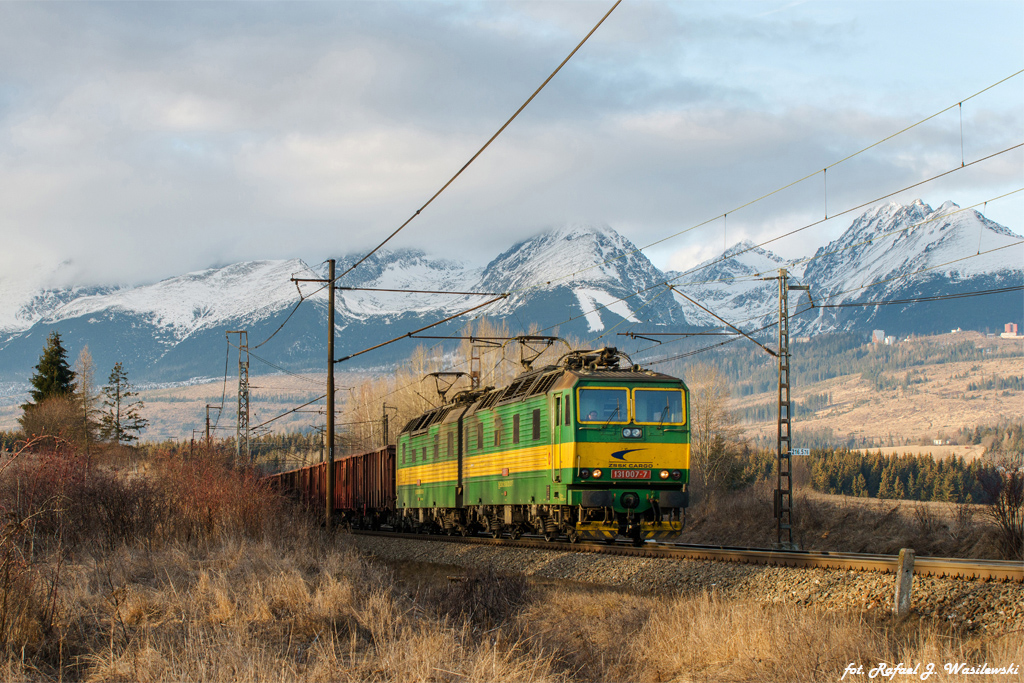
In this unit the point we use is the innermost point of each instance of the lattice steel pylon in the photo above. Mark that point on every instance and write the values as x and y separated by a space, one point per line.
784 462
242 450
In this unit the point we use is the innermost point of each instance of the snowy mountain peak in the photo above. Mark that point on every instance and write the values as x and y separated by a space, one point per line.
891 242
589 254
578 279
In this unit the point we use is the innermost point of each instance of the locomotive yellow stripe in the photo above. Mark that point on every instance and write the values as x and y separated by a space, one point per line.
640 454
537 458
517 461
427 473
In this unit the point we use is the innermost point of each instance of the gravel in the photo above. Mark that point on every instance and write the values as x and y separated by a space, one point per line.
972 604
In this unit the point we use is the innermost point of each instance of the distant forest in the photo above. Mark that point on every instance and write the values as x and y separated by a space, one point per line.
842 471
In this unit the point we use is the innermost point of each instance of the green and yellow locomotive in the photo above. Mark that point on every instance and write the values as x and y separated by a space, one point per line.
586 449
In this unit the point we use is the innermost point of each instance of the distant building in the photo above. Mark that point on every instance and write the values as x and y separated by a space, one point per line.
800 340
878 337
1009 331
890 340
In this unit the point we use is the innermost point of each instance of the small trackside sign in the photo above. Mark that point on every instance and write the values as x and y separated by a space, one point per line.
800 451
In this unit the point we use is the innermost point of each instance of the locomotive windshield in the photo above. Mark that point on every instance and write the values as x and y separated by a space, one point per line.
604 405
658 406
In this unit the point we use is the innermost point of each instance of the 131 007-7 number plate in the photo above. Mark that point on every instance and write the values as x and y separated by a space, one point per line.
631 474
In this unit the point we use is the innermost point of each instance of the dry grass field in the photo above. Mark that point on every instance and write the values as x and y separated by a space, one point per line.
196 572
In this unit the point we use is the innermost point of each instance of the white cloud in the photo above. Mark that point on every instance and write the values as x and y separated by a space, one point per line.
145 140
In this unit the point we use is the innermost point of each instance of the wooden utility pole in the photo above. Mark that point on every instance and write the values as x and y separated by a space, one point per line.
329 427
329 432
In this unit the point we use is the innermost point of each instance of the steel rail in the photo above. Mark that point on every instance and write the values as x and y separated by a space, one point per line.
995 570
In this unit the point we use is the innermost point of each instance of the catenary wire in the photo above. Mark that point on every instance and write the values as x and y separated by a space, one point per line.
485 146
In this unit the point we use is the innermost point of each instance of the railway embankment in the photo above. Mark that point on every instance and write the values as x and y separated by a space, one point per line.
969 604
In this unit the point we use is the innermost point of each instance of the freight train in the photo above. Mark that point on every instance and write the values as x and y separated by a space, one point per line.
588 448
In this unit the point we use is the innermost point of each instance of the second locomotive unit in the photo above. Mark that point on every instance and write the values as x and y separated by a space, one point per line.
588 448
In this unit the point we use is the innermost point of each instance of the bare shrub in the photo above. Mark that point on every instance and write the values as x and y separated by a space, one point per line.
484 597
1007 511
57 416
205 498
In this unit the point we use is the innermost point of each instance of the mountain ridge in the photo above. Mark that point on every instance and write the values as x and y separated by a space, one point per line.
582 279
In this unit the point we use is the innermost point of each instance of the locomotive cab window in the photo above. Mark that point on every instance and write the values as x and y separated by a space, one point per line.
515 429
604 405
658 406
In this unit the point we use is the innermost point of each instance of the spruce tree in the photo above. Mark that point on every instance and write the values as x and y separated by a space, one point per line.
121 420
53 376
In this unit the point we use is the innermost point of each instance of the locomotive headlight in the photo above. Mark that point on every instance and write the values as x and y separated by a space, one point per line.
676 474
664 474
637 433
584 473
597 474
632 433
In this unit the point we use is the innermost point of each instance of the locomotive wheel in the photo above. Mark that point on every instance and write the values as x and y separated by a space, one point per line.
464 530
574 536
515 533
550 536
496 531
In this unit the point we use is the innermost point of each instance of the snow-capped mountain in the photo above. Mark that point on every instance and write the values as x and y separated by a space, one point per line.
594 268
174 329
586 281
732 285
895 252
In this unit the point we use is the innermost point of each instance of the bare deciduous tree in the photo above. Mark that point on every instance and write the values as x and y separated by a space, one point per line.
714 433
86 396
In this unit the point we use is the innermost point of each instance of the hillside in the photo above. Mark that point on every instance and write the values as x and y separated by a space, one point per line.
924 388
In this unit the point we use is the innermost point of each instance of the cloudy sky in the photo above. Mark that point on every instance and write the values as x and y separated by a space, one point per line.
143 140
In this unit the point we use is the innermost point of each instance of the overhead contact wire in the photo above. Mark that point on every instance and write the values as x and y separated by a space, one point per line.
793 183
485 146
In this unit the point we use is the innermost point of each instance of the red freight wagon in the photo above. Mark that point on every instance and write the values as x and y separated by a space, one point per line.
364 485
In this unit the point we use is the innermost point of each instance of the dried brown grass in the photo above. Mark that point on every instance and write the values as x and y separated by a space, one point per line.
619 636
840 523
251 590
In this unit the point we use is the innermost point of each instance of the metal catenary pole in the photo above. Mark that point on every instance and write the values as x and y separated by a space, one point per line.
784 483
242 450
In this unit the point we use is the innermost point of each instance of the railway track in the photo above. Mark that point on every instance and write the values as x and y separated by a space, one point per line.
997 570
